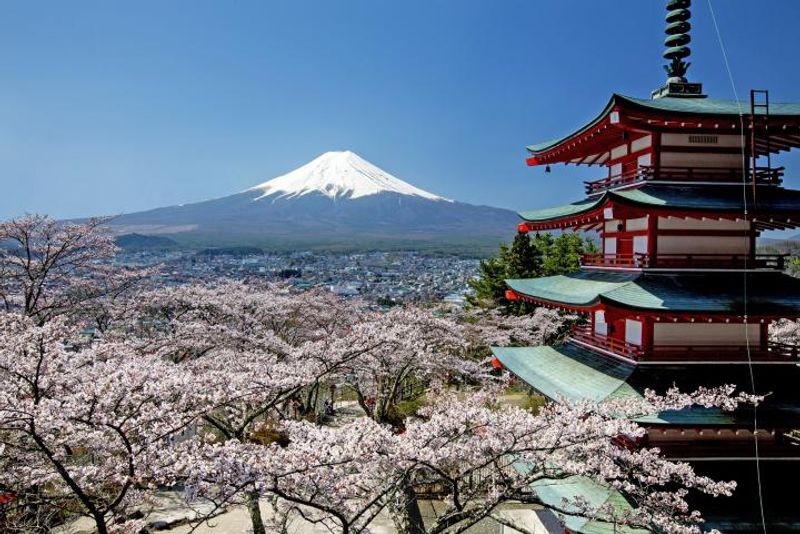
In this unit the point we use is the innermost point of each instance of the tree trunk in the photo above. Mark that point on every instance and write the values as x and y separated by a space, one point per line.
311 399
100 522
404 509
379 414
255 512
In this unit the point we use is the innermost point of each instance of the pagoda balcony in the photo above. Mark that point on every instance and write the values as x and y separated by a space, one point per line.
771 352
584 335
776 262
705 175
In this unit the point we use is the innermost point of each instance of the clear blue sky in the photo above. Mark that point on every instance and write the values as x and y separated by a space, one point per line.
109 107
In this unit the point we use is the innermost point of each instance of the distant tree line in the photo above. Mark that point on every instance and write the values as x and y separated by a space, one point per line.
787 246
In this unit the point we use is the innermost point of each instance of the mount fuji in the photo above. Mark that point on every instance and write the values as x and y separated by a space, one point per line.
338 201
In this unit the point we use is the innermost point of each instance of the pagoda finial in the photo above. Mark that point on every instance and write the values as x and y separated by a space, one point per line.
678 37
677 31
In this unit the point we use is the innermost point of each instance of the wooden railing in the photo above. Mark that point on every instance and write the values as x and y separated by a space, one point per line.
687 261
763 176
584 335
636 260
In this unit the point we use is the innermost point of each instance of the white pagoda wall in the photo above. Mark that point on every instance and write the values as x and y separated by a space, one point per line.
705 334
680 223
673 244
700 244
672 157
700 160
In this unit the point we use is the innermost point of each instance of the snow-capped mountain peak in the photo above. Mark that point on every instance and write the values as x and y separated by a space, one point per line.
341 174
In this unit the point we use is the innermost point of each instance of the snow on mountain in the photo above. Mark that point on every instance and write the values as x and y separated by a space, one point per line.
339 175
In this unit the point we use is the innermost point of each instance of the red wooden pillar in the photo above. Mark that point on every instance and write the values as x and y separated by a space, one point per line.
656 162
647 333
652 238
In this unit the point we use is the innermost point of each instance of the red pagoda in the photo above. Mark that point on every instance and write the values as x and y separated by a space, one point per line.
679 294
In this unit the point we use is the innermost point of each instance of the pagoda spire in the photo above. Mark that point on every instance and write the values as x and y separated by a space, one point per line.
677 30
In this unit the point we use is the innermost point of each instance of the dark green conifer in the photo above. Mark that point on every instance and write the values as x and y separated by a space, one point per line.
542 255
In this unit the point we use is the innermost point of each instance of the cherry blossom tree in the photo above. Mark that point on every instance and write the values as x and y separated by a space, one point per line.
81 424
195 385
253 352
417 347
486 328
478 454
482 454
335 476
49 268
785 331
256 351
485 454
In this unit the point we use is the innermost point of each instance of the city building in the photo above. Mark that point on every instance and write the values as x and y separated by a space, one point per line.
679 295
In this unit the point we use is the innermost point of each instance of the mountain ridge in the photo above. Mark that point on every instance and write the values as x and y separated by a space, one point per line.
337 201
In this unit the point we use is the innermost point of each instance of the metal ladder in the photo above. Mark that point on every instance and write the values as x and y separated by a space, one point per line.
759 116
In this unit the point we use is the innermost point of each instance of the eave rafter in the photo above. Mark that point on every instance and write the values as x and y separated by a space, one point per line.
517 296
582 146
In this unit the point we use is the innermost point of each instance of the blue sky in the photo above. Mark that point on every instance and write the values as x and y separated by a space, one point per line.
109 107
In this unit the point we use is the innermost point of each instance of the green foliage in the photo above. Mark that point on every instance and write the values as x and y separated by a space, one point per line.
533 403
527 257
793 267
563 253
524 258
398 413
410 407
388 301
490 285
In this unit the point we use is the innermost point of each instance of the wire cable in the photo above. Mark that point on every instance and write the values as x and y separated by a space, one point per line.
744 276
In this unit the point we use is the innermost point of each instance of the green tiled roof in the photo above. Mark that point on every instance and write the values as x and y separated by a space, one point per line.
698 292
707 106
718 198
568 372
579 289
739 513
562 211
683 106
553 492
571 372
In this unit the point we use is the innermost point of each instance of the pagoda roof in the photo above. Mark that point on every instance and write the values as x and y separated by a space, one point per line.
573 373
707 106
553 492
768 293
741 512
737 513
569 372
624 113
771 202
